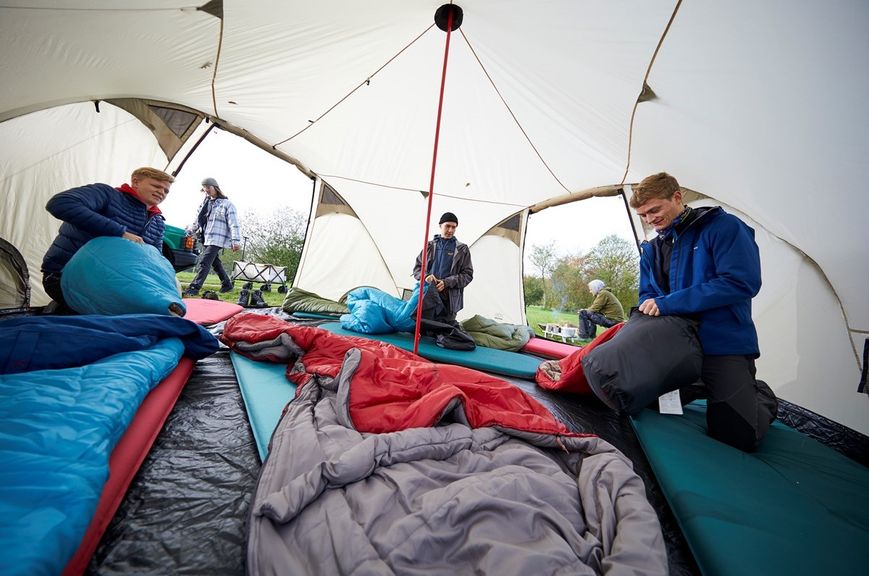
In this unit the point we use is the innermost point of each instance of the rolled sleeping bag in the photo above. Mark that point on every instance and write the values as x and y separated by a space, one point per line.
648 357
110 275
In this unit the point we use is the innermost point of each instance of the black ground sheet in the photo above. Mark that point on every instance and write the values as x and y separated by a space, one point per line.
186 510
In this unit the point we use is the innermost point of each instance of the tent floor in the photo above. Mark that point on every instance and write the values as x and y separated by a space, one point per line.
187 508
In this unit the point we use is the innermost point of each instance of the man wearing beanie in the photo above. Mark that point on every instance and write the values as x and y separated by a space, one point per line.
217 228
448 268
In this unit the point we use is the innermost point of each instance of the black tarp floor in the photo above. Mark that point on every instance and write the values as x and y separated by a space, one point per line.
186 510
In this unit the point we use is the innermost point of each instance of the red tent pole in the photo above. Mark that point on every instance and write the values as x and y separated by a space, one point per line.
434 162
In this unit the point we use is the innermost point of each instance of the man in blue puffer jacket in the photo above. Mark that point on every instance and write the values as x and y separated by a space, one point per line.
705 264
129 211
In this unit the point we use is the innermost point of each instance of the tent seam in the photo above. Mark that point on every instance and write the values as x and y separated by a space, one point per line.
365 82
642 89
512 115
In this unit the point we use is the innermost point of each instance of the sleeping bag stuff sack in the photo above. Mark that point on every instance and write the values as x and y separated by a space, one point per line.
650 356
110 275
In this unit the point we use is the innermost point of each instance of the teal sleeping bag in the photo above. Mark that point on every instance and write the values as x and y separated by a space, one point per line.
110 275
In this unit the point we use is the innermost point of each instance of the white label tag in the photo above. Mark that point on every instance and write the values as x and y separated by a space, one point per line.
670 403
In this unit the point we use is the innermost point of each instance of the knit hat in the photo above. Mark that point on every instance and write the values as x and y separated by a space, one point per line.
210 182
449 217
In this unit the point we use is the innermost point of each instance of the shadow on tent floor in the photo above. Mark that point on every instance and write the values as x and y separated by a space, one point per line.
187 508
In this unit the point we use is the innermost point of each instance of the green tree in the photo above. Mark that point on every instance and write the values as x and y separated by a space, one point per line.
568 292
616 261
533 290
544 258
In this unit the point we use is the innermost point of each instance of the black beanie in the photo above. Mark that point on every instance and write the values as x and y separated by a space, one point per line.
449 217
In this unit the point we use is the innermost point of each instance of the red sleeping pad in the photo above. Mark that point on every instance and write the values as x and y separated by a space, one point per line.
136 442
549 348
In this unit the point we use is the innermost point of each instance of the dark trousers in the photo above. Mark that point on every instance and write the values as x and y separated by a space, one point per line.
51 283
739 407
589 321
210 259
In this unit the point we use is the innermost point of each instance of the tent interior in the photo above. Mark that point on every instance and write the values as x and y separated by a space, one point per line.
756 107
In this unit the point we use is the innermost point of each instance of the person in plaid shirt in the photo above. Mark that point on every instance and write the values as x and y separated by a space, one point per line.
217 228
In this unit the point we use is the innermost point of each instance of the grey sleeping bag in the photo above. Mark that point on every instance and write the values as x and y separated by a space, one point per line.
445 500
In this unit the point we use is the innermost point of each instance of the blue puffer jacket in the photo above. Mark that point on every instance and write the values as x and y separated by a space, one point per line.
97 210
714 274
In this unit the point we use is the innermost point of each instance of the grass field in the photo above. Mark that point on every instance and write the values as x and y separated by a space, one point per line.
212 282
537 316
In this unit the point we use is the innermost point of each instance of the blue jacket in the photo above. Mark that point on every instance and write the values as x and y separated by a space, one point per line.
97 210
714 274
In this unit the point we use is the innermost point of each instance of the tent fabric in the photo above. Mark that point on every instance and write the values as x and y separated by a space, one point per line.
54 461
535 108
14 280
748 513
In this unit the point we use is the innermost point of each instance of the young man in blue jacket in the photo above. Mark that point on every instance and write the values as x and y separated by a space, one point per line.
705 264
129 211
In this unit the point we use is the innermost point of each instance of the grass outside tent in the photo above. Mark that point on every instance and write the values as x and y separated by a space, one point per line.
212 282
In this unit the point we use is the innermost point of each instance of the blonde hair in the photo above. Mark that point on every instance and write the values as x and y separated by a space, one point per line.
660 185
146 172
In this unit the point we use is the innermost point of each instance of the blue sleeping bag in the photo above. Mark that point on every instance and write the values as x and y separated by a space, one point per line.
373 311
57 431
111 275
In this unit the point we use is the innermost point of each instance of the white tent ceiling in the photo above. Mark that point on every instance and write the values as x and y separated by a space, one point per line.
759 106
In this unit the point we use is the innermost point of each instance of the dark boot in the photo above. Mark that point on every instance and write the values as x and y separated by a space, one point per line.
226 287
256 300
244 297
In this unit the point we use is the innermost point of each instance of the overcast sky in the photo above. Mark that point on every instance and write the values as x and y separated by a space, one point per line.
258 182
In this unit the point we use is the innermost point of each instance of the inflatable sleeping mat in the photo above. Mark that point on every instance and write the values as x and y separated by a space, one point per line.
316 315
485 359
793 507
205 312
549 348
265 391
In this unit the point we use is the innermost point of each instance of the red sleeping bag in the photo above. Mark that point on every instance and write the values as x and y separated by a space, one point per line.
566 375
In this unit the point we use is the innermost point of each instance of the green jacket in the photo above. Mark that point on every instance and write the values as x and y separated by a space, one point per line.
607 304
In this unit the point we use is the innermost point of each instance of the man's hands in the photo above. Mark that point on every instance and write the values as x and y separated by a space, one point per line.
439 284
235 247
649 307
132 238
